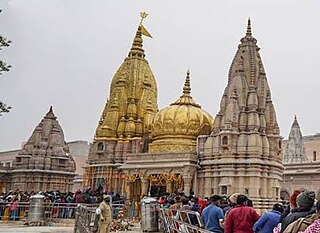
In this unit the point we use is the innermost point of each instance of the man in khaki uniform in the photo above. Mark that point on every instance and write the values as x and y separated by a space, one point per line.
105 215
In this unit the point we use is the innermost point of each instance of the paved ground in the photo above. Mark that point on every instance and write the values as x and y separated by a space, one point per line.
13 228
23 229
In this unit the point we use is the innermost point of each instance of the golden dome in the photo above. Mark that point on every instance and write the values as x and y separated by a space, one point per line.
176 128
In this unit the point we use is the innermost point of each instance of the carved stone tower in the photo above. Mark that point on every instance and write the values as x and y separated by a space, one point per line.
125 122
44 162
295 151
243 152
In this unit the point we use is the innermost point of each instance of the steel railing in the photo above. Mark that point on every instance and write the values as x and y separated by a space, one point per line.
52 211
85 220
181 221
13 211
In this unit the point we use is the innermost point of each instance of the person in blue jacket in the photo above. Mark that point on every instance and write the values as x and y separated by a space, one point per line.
212 215
269 220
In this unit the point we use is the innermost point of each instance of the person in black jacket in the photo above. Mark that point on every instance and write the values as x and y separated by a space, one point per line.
305 202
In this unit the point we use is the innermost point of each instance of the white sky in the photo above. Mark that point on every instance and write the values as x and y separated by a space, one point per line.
64 53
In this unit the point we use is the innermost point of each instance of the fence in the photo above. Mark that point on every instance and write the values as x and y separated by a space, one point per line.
52 212
181 221
85 220
13 211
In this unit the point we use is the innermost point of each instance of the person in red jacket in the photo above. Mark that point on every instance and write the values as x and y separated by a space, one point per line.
241 218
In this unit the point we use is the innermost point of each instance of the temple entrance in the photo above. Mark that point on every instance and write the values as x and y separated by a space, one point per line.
154 185
165 183
157 191
135 188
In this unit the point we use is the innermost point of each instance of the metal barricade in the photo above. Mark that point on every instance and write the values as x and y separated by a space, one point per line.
56 211
13 211
181 221
85 219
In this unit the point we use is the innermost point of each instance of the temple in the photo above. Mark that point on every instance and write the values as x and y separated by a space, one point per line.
295 151
138 150
125 123
243 152
44 162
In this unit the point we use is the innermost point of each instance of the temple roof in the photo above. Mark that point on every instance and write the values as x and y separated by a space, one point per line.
132 102
45 145
247 92
176 127
48 135
295 150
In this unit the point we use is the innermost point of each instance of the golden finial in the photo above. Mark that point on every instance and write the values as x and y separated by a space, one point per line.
187 87
249 28
143 15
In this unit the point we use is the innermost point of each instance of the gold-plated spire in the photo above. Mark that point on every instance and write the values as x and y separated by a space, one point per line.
133 95
187 87
136 49
186 98
249 33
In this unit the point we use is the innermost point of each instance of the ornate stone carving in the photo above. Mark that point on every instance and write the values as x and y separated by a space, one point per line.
245 138
45 152
295 151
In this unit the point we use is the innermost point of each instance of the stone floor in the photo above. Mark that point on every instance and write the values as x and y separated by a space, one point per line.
24 229
13 228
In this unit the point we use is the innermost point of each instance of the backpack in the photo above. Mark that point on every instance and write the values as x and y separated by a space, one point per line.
301 224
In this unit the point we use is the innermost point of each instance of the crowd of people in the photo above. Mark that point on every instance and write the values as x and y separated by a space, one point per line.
14 204
236 214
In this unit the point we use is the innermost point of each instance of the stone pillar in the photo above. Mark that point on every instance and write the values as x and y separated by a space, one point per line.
195 182
169 186
207 184
128 189
187 185
144 186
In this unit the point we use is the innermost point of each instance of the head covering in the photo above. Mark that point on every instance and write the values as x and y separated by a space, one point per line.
306 199
293 198
233 198
107 198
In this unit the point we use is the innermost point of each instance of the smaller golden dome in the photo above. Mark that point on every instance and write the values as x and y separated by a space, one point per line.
176 128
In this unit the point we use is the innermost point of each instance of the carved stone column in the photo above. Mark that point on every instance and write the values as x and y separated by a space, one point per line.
207 184
169 186
187 185
144 186
127 189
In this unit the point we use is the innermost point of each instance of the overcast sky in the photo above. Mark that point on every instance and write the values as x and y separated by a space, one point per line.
64 53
